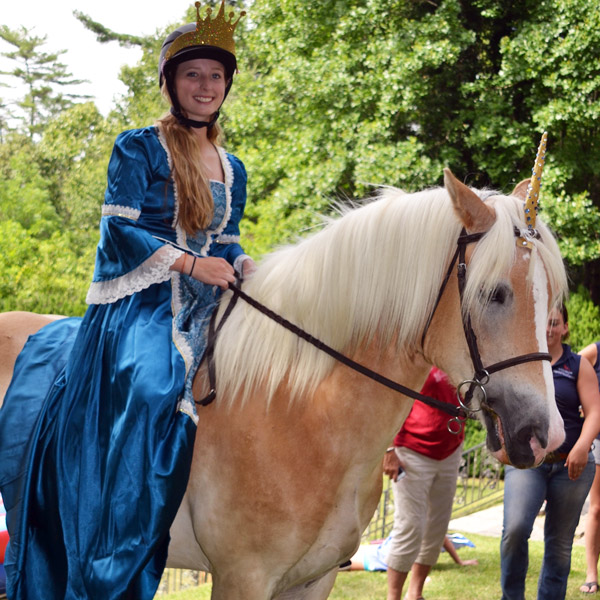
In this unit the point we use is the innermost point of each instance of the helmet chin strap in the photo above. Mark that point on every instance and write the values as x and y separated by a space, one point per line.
191 122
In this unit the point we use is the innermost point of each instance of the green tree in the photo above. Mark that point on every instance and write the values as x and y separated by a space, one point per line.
584 319
336 96
51 192
40 73
548 78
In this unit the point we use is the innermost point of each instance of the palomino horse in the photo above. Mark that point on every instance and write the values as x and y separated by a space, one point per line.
287 465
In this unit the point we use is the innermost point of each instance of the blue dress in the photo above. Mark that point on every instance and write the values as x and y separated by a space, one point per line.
98 424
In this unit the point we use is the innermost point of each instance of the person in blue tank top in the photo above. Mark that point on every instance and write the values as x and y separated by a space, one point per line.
592 524
100 449
563 480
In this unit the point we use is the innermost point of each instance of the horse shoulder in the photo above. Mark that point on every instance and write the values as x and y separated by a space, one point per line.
15 328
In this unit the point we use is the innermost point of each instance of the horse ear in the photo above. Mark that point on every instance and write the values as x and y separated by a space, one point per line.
473 213
520 190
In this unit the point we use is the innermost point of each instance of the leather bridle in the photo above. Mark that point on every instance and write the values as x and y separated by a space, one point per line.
480 377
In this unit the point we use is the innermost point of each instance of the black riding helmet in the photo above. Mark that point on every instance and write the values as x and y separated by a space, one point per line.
207 38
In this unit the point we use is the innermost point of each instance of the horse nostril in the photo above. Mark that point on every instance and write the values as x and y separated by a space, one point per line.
537 434
541 434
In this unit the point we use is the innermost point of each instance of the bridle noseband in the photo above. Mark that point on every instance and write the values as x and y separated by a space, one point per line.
480 377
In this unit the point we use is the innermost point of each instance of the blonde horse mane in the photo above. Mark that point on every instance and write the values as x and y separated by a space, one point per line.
372 274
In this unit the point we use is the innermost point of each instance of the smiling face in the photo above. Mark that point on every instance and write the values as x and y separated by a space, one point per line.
200 87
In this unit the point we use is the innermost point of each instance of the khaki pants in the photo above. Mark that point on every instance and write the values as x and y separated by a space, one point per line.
422 508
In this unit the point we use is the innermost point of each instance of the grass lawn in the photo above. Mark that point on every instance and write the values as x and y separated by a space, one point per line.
448 581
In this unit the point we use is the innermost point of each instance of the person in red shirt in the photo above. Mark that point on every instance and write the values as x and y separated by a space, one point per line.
429 457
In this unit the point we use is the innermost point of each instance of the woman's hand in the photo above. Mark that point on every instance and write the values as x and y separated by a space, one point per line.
577 460
211 270
391 464
214 271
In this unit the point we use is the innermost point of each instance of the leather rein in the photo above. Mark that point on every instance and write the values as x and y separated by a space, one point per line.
479 379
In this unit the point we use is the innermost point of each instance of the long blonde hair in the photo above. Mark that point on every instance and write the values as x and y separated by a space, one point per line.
191 182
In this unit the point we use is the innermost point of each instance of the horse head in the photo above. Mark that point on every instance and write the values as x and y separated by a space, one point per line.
509 290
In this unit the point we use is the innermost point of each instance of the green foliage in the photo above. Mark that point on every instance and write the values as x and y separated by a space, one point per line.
584 320
334 98
73 157
143 103
574 218
39 73
474 433
103 34
324 112
50 201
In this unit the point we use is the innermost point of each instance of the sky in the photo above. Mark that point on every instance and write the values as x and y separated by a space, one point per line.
85 57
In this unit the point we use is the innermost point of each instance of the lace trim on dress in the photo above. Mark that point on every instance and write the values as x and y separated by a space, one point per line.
185 405
163 143
115 210
155 269
237 263
228 239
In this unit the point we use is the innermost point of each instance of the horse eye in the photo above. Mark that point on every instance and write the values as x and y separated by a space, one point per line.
499 295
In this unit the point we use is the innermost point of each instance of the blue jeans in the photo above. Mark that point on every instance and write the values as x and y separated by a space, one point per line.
524 494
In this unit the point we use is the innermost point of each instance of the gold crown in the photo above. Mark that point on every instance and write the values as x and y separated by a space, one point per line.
533 191
217 32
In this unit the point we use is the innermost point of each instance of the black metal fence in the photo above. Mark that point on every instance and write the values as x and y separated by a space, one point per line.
480 485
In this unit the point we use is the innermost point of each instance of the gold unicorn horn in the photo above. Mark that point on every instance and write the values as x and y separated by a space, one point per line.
533 191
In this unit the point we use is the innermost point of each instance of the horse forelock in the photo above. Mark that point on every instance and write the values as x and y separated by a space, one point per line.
372 273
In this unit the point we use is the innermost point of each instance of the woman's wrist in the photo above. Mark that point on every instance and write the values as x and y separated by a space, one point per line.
187 265
192 266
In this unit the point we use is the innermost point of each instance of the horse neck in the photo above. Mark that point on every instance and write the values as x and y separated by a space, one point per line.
368 407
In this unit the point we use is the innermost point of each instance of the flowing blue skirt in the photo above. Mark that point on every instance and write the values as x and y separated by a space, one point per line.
94 454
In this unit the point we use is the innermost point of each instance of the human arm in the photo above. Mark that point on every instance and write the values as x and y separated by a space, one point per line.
129 257
590 353
589 398
451 550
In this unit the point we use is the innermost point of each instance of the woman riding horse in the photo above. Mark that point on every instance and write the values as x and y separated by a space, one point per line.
90 508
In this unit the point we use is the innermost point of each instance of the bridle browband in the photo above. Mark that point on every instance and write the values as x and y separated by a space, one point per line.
480 377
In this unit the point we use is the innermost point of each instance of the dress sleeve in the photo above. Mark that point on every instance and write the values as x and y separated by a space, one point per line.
227 244
128 257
